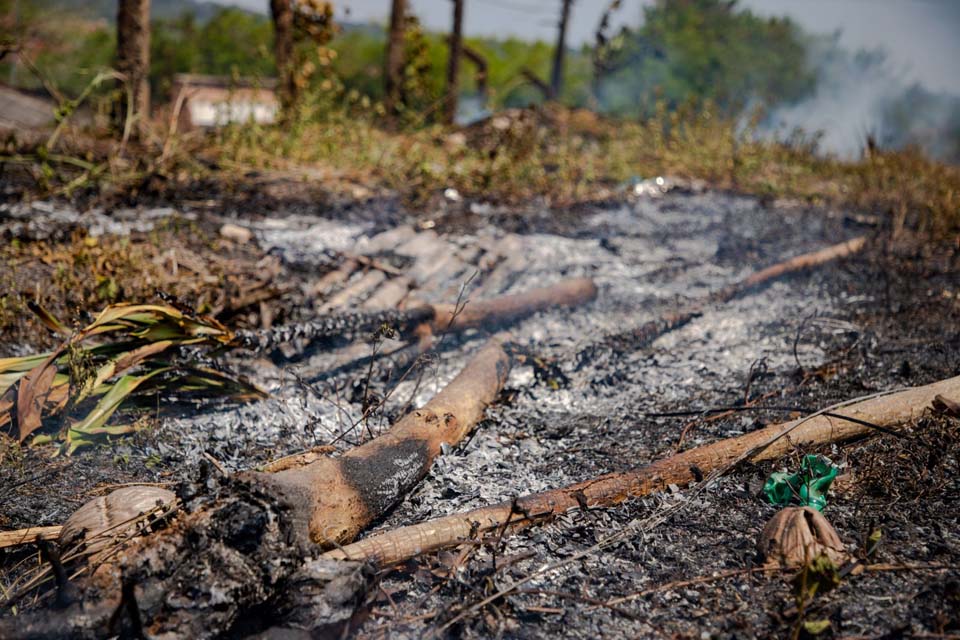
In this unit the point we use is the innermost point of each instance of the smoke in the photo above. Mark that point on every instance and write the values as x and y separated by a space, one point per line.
860 95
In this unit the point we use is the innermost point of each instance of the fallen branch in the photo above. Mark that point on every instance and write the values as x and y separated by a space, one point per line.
646 333
27 536
440 318
503 309
681 469
796 264
341 496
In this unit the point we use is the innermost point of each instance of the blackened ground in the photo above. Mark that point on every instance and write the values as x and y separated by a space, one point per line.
904 305
884 319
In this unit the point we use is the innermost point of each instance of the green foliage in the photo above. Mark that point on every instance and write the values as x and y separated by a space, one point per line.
66 47
359 65
231 42
95 363
706 50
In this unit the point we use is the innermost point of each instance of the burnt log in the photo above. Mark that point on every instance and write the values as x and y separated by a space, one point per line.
242 555
336 498
439 318
858 419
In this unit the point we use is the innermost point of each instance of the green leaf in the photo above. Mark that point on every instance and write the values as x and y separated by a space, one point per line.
110 402
23 363
48 319
816 627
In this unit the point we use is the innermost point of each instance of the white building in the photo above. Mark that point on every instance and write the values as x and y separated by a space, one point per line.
213 101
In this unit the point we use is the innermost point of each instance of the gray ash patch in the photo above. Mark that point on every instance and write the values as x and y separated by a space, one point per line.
51 221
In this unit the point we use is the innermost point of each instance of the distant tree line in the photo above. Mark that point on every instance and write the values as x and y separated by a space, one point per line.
681 51
684 49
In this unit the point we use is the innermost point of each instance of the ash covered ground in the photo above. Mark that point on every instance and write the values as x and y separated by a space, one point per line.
884 319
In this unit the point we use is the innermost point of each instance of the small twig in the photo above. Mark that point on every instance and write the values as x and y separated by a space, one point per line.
677 584
216 463
66 592
596 602
796 339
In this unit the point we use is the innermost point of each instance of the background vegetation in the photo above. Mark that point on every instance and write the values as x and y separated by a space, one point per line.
685 93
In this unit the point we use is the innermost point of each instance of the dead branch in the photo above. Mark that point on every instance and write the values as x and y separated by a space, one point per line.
646 333
338 497
796 264
441 318
28 536
504 309
887 411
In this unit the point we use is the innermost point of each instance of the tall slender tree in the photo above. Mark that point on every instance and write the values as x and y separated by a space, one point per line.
393 71
453 63
282 13
559 53
133 57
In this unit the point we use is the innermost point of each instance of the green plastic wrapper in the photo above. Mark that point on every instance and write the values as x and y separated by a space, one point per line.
808 488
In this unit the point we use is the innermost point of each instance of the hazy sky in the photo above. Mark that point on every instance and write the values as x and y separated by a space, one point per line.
922 37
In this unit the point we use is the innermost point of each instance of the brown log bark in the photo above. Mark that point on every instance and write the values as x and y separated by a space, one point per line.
133 57
453 64
503 309
281 12
684 468
336 498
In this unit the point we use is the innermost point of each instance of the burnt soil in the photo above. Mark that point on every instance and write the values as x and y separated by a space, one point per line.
886 318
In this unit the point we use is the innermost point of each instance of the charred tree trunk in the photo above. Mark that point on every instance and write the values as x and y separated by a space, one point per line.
600 50
556 75
453 64
393 71
281 12
133 59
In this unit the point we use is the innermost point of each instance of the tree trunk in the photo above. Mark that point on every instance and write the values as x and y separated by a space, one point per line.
453 63
282 14
133 58
600 51
556 75
611 489
393 72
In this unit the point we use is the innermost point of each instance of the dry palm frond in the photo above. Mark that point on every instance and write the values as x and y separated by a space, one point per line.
110 360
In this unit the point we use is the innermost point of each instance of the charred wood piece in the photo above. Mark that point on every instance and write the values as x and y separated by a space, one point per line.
350 325
770 443
242 557
440 318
